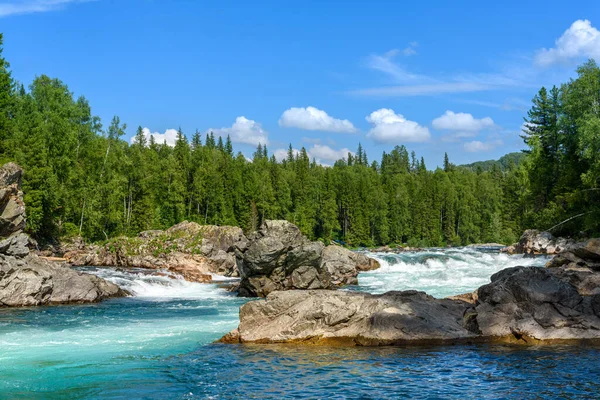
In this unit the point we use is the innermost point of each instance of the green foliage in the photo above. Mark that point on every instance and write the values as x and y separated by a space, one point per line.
83 180
563 136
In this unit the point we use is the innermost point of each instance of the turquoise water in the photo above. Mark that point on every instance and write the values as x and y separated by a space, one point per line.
157 345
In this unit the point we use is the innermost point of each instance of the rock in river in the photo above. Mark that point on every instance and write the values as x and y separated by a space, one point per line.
520 305
280 257
327 317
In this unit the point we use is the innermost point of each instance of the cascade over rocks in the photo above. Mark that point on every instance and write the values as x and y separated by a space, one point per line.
279 257
25 278
535 242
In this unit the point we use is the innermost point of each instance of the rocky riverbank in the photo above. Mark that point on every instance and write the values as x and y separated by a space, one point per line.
25 278
276 257
534 242
521 305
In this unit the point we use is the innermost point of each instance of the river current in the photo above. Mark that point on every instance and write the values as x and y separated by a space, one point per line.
158 344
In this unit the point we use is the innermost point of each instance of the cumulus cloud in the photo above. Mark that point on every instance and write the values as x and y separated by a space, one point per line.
245 131
313 119
325 153
580 40
461 122
17 7
169 137
390 127
478 146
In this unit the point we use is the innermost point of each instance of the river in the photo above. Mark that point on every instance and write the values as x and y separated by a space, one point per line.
158 344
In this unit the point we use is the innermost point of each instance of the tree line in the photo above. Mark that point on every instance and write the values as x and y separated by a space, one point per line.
82 179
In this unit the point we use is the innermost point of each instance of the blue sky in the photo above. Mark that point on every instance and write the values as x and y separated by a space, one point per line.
325 75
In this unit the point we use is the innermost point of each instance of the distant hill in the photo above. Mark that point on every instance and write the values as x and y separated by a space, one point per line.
502 163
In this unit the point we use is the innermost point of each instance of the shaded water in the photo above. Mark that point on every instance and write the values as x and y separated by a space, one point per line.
157 345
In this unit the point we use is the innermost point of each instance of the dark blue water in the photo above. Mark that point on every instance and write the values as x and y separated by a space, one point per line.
158 345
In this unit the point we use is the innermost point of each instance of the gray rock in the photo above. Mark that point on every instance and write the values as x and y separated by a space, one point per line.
328 317
12 209
532 303
279 257
32 281
579 266
536 242
16 246
10 174
344 265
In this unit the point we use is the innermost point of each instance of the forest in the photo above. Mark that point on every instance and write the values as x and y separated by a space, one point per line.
84 180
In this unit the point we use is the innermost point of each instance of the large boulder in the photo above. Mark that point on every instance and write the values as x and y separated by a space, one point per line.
521 305
326 317
536 242
280 257
532 303
32 281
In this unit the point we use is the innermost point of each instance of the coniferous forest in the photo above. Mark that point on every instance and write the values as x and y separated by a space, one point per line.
83 179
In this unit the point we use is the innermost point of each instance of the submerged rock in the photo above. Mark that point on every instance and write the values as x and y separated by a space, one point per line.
327 317
279 257
536 242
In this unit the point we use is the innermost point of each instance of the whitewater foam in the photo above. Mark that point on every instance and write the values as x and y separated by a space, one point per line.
159 285
439 272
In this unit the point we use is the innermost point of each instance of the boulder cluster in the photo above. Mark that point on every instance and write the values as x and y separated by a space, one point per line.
559 302
276 257
25 278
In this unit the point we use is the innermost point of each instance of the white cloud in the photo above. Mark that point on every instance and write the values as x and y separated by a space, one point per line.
461 122
16 7
478 146
384 63
456 137
411 49
313 119
580 40
423 90
325 153
170 136
245 131
390 127
414 84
